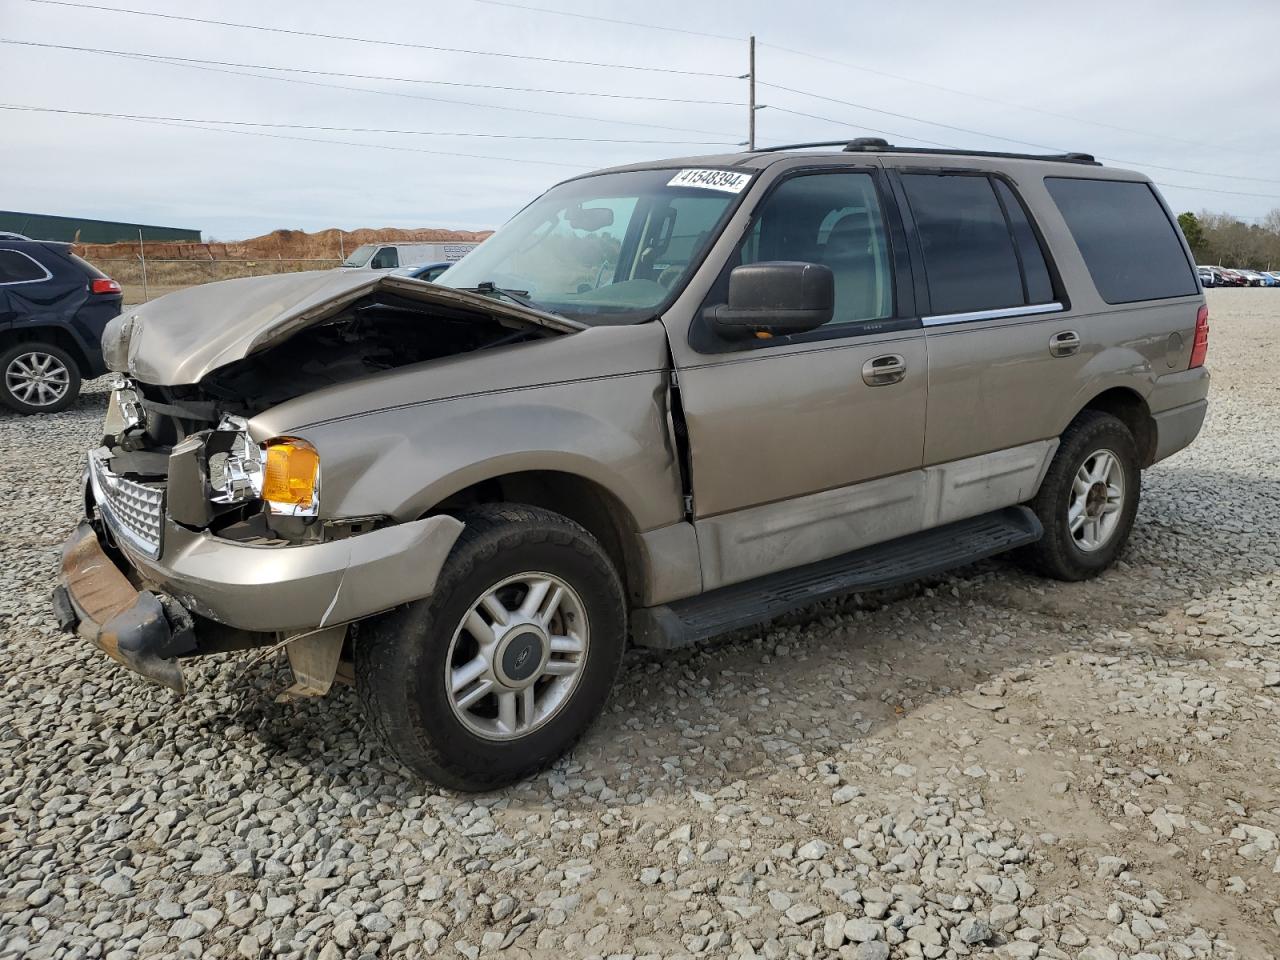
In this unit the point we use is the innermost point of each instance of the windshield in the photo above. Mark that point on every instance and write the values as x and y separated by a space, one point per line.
606 249
360 255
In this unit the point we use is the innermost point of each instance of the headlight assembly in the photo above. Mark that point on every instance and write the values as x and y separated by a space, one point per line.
284 473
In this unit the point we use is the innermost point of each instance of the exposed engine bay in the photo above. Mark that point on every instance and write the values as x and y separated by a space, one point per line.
191 442
381 332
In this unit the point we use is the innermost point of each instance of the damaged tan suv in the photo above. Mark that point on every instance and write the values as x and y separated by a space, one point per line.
665 401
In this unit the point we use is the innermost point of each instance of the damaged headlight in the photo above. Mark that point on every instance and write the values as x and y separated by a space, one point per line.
235 463
117 337
124 409
284 472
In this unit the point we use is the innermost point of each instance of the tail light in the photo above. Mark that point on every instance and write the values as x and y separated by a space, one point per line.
104 285
1200 345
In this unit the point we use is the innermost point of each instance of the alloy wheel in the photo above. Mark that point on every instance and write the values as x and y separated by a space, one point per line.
1097 500
515 659
37 378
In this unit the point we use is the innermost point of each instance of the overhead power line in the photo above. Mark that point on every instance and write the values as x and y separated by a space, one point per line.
624 23
1230 193
281 136
907 116
1199 173
380 42
332 129
978 96
170 58
1025 143
151 58
855 126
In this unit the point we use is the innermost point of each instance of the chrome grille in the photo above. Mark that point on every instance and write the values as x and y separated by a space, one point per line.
134 511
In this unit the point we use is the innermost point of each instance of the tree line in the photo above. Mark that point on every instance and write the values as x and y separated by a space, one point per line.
1223 240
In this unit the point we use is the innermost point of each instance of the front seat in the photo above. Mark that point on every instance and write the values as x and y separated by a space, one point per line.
848 253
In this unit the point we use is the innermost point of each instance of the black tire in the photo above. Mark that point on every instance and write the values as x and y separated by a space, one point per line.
14 402
1057 554
400 657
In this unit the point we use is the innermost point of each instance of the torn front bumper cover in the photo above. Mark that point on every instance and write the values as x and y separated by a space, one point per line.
142 630
281 590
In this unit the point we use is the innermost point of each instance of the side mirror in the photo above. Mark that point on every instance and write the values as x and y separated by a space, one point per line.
776 298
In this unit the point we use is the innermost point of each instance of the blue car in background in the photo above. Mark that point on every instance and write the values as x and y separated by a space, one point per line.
424 271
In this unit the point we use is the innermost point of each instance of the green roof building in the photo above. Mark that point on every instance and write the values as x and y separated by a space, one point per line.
40 226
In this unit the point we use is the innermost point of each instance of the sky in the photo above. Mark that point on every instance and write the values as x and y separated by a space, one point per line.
1146 85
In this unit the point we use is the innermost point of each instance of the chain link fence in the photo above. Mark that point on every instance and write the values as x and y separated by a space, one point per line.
145 278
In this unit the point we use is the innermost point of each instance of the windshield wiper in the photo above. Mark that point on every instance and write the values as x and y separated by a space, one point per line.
518 296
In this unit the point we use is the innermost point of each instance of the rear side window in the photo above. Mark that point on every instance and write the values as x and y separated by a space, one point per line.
1128 242
973 256
17 267
1035 272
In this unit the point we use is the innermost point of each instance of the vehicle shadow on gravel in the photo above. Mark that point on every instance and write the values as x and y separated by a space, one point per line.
842 671
835 674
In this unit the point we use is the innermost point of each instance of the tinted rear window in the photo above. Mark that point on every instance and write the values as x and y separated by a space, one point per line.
1128 242
17 267
969 255
1034 269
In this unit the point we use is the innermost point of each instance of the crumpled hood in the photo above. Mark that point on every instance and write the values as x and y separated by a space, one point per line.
182 337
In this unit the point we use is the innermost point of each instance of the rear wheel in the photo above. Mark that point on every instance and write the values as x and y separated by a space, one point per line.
1088 500
38 378
504 666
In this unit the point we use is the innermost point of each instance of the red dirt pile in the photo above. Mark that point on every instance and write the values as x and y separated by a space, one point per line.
279 245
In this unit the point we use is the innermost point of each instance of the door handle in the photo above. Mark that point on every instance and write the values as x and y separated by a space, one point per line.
881 371
1064 344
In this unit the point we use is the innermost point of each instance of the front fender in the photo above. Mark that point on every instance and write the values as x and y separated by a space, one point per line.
402 462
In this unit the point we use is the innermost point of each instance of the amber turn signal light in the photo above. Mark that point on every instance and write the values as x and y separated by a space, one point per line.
292 475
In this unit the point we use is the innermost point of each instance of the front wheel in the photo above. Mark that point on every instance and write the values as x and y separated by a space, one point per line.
504 666
1088 500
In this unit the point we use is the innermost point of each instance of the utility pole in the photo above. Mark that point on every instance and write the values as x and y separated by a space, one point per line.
751 92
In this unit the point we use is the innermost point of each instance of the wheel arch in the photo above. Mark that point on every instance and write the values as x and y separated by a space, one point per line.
1131 409
51 333
585 501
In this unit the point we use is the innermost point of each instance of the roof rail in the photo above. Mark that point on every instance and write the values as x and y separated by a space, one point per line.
877 145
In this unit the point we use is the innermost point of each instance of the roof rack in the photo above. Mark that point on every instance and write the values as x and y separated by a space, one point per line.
877 145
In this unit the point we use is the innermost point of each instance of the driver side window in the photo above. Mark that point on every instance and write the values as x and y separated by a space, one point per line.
385 259
833 219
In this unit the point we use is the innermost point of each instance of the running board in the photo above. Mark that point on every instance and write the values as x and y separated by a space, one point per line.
684 622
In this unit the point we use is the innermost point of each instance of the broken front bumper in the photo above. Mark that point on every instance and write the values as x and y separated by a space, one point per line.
139 612
136 628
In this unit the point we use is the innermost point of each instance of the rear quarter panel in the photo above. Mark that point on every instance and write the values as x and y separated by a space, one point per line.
1130 345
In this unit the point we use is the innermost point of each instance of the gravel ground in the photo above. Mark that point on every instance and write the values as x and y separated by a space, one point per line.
985 764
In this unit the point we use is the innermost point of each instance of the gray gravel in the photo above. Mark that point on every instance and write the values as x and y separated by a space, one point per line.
984 765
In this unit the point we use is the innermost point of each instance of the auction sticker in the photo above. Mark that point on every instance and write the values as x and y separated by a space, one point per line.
725 181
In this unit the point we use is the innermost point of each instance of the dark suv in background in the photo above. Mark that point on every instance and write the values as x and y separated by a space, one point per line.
53 306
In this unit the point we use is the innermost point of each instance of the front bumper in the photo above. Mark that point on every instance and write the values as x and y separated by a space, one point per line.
289 589
140 629
140 611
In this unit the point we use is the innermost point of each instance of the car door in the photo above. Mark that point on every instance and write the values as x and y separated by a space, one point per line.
1004 348
807 446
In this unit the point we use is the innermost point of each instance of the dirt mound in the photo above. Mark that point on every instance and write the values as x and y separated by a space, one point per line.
280 245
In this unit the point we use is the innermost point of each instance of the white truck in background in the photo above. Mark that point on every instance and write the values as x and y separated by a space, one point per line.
388 256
